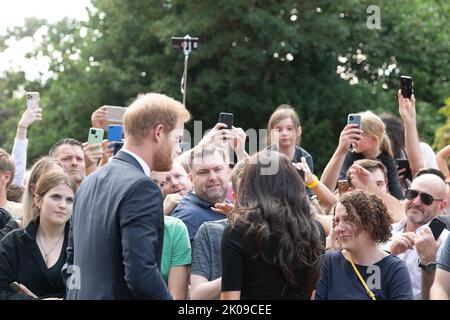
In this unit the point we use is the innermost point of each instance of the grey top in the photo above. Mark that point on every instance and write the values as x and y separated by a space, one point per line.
444 259
206 258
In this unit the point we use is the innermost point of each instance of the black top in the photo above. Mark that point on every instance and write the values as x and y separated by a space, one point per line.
244 270
392 175
22 261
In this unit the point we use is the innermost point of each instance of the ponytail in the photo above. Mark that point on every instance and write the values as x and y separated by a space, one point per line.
385 145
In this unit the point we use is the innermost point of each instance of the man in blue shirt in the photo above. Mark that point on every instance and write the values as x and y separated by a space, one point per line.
210 176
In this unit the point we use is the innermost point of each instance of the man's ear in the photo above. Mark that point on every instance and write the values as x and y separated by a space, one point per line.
158 132
190 177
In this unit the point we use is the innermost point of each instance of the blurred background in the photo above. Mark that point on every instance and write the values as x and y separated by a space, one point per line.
318 56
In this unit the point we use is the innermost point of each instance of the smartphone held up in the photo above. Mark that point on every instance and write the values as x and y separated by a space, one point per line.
33 99
406 87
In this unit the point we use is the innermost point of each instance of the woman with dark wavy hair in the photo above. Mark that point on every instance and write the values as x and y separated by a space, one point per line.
272 248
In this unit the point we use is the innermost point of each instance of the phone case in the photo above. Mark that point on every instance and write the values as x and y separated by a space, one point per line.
33 100
227 118
354 119
115 114
95 136
115 133
436 226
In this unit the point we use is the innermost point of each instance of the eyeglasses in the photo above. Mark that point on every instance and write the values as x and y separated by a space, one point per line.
427 199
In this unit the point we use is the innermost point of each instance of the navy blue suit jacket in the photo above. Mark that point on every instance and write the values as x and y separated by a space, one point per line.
116 235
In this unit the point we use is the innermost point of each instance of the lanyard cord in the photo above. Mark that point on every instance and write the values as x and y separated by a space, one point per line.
369 292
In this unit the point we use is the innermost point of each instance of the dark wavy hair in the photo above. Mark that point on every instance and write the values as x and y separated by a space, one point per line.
277 205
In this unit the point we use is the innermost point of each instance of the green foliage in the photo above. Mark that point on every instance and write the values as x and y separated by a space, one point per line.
318 56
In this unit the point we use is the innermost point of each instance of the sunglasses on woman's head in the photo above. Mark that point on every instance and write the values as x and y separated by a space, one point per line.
427 199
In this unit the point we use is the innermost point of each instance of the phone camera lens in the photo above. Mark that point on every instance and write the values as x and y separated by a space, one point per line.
351 118
93 131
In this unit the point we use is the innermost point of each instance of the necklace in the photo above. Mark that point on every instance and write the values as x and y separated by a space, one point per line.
46 254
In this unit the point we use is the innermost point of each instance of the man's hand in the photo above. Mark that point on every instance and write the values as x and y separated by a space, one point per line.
170 202
216 135
407 108
403 243
99 118
361 178
29 116
349 135
426 246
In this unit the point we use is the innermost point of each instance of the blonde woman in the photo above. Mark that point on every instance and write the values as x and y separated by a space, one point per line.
374 144
31 259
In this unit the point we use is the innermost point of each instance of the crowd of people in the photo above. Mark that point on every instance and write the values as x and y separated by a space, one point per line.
152 222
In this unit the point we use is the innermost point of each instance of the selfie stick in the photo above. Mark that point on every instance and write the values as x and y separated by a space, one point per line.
187 48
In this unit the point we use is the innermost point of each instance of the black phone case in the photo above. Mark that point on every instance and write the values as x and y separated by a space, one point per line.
436 226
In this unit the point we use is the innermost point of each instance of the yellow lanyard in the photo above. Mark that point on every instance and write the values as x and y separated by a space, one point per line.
369 292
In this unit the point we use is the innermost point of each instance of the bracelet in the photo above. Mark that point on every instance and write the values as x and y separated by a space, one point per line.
314 183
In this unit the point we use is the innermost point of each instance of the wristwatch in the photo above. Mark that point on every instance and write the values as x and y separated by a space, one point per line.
430 267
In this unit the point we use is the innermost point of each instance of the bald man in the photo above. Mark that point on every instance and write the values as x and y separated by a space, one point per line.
412 239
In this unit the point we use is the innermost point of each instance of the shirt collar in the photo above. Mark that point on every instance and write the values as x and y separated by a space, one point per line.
143 164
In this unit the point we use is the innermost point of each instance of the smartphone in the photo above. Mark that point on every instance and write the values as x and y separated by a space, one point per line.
115 133
227 118
404 164
115 114
95 136
354 118
117 147
15 287
406 86
33 100
343 186
436 226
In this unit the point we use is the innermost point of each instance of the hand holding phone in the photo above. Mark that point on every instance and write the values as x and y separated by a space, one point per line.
115 114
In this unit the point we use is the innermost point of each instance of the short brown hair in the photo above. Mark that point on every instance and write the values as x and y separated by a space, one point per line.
7 164
370 165
282 112
205 151
148 111
367 212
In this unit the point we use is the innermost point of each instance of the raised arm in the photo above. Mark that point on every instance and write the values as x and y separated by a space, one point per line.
407 110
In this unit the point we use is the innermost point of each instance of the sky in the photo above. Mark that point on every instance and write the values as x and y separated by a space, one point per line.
14 12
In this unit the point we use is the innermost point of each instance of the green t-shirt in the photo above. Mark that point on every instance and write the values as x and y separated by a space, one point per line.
177 246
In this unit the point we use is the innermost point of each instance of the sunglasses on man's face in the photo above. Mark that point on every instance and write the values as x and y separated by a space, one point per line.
427 199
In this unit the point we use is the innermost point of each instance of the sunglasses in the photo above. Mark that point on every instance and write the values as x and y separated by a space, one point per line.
427 199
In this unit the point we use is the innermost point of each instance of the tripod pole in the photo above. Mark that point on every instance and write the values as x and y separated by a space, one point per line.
186 58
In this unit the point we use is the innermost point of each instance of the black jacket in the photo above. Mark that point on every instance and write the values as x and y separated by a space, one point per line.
117 234
21 261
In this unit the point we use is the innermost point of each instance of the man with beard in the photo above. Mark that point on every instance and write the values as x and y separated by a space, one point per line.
412 239
117 226
210 176
174 184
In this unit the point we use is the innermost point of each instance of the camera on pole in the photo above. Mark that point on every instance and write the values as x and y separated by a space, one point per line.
187 44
